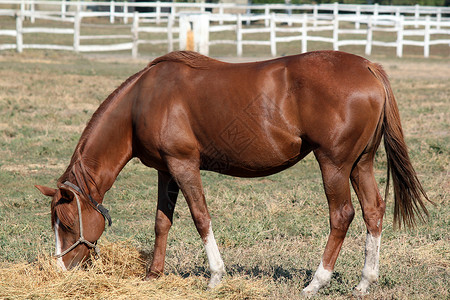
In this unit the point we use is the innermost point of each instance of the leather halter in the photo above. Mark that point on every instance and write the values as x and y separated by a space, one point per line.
81 240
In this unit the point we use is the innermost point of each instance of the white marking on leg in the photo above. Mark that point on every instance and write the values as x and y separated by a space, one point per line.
321 278
58 250
216 264
371 264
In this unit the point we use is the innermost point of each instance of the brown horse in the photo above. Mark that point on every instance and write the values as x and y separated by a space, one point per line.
186 112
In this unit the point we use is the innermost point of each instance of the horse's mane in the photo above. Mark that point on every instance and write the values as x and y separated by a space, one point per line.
95 119
189 58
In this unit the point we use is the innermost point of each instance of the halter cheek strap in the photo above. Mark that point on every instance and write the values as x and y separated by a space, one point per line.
99 207
81 240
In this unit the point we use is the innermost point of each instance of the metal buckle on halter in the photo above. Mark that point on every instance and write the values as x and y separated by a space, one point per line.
98 206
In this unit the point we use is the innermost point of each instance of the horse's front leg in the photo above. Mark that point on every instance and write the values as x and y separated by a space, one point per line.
187 174
337 189
167 198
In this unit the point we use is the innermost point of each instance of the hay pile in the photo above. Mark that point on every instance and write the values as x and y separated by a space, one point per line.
117 274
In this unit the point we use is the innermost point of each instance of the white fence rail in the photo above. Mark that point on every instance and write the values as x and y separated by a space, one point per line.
317 23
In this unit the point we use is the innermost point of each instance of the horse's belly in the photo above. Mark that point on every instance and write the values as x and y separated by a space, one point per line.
251 154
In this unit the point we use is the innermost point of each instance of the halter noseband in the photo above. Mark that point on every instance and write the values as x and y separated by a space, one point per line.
99 207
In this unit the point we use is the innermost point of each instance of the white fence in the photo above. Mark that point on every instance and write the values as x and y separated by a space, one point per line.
279 23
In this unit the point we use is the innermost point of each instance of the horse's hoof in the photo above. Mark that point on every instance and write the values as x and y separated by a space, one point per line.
359 293
308 294
214 281
152 276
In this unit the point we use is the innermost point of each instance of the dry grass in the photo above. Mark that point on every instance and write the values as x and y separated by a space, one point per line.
116 274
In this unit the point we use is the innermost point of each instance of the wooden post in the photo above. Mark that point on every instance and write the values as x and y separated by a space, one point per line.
22 9
19 33
63 9
369 36
158 12
438 18
315 15
358 16
170 22
76 31
135 33
32 11
426 38
266 15
239 35
335 9
375 10
221 15
125 12
336 33
400 25
112 10
289 12
416 15
273 37
305 33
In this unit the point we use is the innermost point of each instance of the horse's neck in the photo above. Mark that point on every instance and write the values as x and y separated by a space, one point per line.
106 148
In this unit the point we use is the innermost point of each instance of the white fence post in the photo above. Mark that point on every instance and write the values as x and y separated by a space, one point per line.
125 12
32 11
112 11
158 12
266 15
63 9
273 37
239 35
221 15
22 8
336 33
315 15
170 22
438 18
400 26
369 37
305 33
19 34
135 33
76 31
335 9
416 15
358 16
426 39
375 10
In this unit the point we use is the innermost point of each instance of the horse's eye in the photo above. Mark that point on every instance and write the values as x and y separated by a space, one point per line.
63 200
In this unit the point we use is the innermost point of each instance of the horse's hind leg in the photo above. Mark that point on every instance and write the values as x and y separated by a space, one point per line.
187 174
373 207
167 198
337 189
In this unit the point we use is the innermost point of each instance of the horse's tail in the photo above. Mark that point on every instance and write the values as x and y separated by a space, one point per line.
408 190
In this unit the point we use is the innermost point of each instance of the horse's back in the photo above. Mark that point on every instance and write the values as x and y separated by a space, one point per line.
259 117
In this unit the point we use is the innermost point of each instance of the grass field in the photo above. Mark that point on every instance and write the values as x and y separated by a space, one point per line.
271 231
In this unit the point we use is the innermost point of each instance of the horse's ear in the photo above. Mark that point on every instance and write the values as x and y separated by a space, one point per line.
46 190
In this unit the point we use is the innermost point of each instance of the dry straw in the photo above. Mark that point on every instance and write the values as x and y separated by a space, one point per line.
117 274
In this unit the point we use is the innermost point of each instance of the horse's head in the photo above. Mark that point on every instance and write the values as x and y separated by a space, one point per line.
77 224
